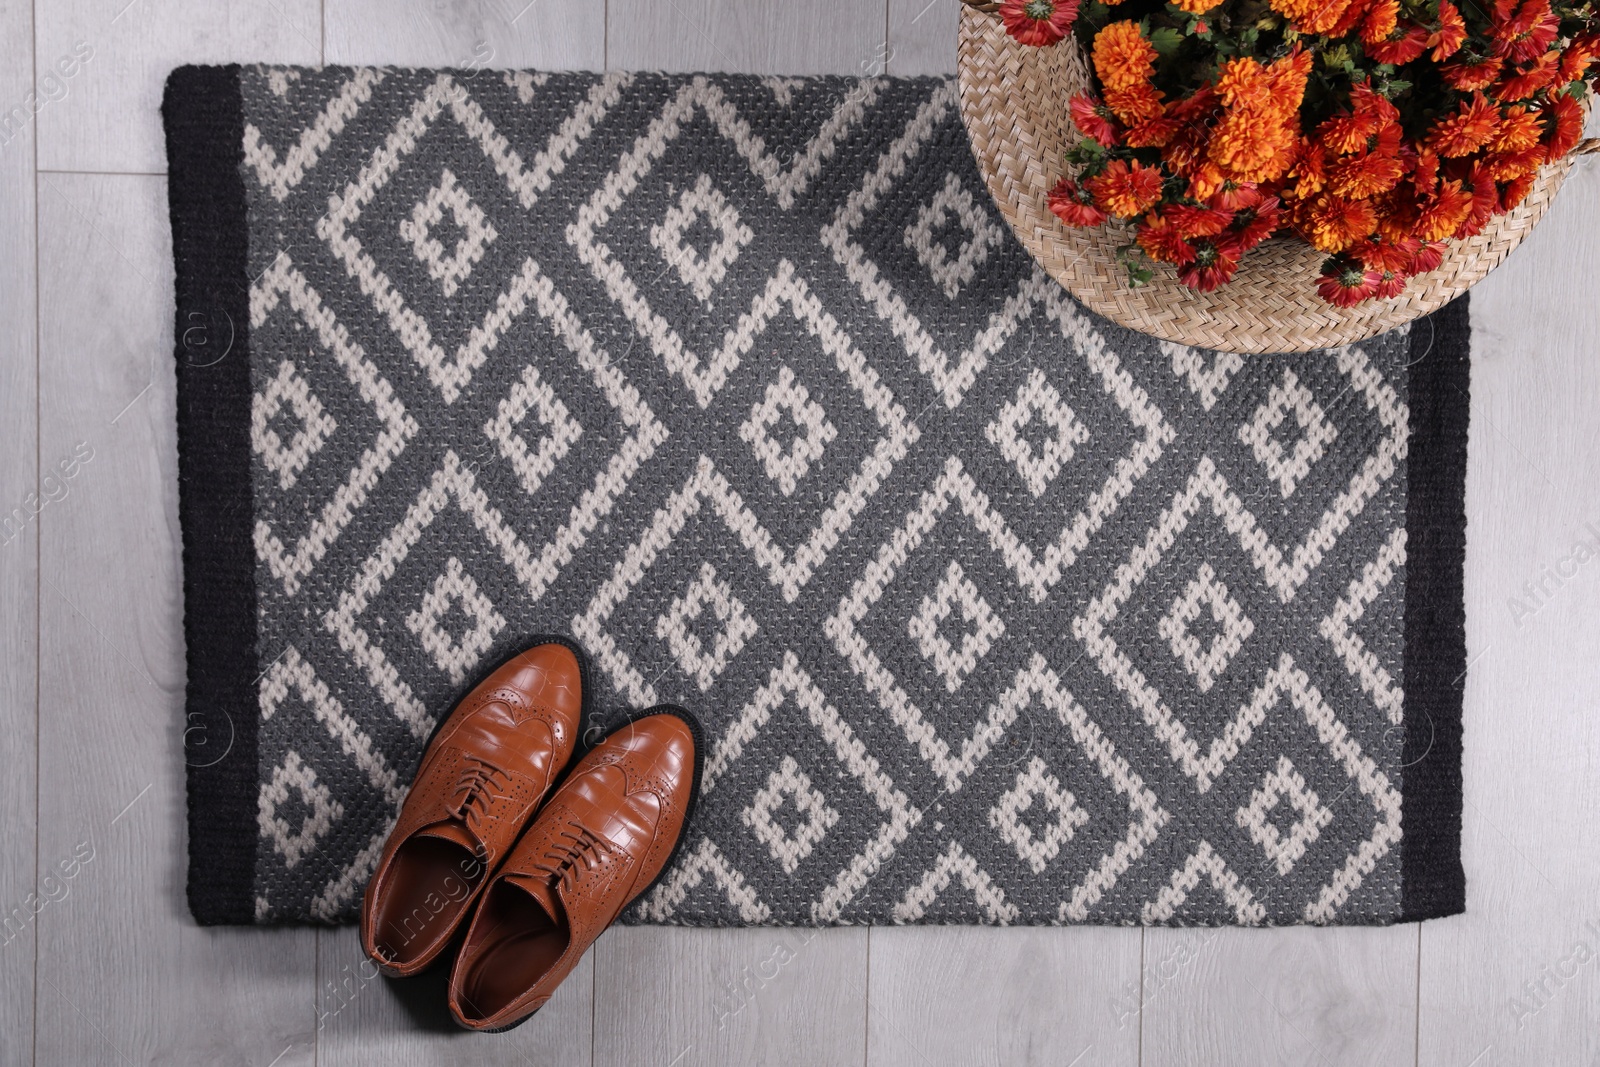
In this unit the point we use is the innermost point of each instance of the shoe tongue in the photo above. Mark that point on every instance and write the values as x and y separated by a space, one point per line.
453 832
543 891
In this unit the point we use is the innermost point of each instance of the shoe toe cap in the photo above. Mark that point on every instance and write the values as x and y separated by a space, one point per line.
549 676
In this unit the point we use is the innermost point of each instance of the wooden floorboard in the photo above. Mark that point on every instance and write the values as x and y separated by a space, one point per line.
1517 978
366 1019
756 36
124 974
776 996
20 899
1271 998
512 34
922 37
967 995
107 117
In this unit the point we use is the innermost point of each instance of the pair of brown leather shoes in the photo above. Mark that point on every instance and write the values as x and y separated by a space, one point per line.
545 880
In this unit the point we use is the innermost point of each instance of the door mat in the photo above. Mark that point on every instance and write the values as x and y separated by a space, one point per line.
993 612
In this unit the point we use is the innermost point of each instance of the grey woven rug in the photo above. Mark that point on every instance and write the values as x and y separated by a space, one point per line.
993 612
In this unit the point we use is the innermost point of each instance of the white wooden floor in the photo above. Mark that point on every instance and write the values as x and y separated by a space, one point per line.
110 969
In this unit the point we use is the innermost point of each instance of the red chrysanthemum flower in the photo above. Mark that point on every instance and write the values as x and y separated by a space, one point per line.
1450 35
1578 55
1093 119
1485 203
1126 190
1380 255
1038 22
1515 191
1212 266
1469 77
1566 127
1345 283
1191 221
1389 285
1526 34
1235 196
1428 257
1403 49
1254 225
1073 205
1530 79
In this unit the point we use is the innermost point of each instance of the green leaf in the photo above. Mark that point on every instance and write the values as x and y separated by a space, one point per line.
1166 40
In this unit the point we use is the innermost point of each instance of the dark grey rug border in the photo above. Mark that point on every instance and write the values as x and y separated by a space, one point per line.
203 113
1433 883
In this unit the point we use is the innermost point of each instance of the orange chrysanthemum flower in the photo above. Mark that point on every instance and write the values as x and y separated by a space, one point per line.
1451 34
1381 21
1520 130
1347 133
1195 7
1441 217
1126 190
1315 16
1162 242
1468 130
1123 58
1245 83
1332 224
1205 182
1368 174
1152 132
1135 104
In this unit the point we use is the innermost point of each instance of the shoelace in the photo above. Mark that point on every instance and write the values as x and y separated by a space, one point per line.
475 790
583 848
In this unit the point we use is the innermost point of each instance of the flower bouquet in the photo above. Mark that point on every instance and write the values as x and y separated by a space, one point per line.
1374 131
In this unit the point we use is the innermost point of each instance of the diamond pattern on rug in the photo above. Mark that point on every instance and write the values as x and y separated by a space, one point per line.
993 612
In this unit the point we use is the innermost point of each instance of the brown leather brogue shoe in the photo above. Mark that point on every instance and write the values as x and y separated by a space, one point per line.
602 840
487 768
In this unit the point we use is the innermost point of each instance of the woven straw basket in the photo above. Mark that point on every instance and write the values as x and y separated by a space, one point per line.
1014 103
